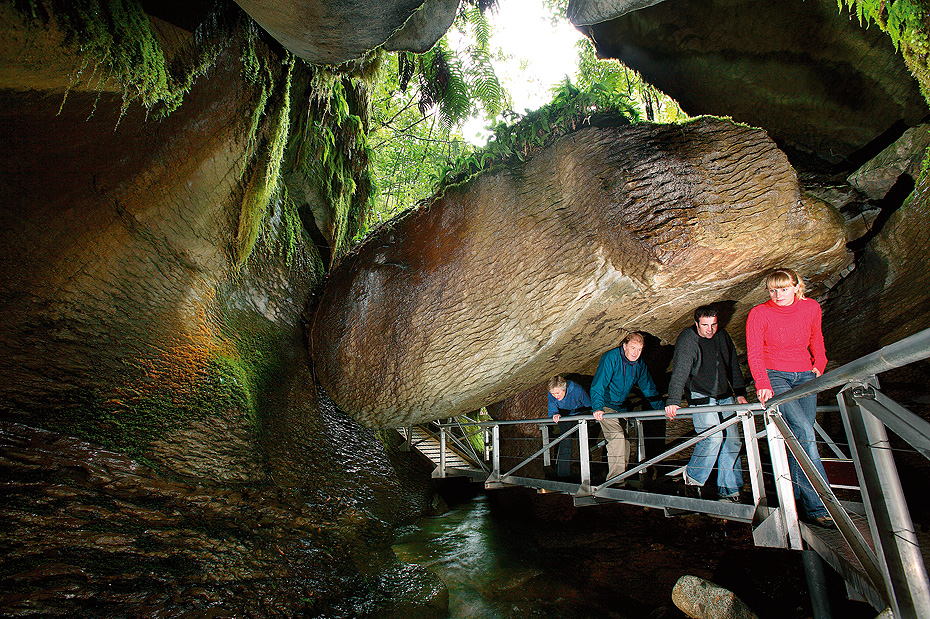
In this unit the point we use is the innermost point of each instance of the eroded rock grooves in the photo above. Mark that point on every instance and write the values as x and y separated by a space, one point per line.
536 269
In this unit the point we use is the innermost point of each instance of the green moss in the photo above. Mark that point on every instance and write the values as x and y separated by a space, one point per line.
330 145
264 185
906 22
117 40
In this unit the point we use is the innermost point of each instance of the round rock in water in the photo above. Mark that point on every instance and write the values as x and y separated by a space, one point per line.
702 599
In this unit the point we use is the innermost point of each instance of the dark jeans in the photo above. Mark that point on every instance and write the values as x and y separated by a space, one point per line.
564 449
800 415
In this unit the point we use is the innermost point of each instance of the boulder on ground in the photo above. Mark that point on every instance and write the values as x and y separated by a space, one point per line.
702 599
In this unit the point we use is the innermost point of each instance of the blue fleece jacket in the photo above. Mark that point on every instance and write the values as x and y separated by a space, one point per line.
575 397
615 377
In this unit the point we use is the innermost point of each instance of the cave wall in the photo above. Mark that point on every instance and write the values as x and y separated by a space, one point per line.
163 441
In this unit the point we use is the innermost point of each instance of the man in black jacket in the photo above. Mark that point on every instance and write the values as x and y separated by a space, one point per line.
705 361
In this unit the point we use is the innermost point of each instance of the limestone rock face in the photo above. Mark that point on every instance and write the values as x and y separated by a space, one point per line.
333 32
905 156
886 297
821 85
538 269
587 12
125 320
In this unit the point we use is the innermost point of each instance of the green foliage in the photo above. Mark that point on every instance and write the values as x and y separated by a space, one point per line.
117 39
330 144
409 148
571 109
612 76
264 184
903 20
419 103
484 87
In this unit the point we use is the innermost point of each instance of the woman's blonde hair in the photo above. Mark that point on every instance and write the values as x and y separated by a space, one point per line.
557 382
779 278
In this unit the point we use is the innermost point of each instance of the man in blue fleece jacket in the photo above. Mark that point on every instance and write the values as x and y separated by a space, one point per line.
566 397
617 371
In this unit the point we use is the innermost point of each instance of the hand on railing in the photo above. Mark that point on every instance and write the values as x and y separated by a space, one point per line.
556 417
764 395
671 410
598 415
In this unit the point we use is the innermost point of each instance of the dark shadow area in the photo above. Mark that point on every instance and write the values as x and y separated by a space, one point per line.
892 201
316 236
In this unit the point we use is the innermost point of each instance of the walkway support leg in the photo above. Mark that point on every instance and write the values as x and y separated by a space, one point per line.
495 453
816 584
889 519
442 452
787 509
857 543
547 457
585 456
753 458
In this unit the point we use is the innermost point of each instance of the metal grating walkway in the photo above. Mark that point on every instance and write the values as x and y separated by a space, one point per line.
428 444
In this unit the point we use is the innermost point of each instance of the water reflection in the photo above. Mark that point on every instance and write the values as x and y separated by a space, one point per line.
491 566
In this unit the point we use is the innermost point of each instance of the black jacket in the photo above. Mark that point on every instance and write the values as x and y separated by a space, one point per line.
714 376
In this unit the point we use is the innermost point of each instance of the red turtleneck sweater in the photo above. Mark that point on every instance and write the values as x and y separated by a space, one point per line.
784 338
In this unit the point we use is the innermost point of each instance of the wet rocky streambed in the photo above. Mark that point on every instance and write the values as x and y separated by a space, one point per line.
515 554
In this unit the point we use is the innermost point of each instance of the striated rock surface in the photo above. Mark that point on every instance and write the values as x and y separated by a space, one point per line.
885 298
876 178
539 268
90 532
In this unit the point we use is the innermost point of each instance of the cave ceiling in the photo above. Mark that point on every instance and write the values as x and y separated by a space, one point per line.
333 32
825 88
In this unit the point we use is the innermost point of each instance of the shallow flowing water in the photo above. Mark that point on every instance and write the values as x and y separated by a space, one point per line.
492 566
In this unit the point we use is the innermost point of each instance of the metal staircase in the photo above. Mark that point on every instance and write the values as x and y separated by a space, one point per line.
449 451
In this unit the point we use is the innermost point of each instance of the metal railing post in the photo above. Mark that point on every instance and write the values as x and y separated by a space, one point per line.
893 534
787 510
496 452
844 523
584 454
442 451
753 457
547 456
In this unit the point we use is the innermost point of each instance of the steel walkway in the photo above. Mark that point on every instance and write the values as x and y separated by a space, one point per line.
875 548
458 458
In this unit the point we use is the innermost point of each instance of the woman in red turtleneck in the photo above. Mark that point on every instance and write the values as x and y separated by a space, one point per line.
785 348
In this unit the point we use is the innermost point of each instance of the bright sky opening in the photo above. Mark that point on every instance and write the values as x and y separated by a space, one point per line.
541 55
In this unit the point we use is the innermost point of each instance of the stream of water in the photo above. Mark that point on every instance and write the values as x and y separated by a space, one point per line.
492 566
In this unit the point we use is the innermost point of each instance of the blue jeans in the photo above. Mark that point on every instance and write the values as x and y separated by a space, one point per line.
800 415
721 448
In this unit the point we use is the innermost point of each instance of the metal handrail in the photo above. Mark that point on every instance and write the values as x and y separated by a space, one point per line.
913 348
894 569
641 415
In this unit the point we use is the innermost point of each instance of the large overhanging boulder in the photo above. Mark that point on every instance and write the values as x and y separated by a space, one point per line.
327 32
818 82
538 268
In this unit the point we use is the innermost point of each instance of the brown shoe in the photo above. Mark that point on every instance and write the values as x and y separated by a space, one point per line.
825 522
